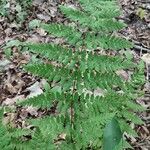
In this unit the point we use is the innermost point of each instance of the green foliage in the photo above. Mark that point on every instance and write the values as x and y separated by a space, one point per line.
12 138
34 23
20 9
8 52
77 70
112 135
102 20
4 7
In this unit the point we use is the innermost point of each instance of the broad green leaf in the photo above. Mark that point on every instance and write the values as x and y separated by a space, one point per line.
112 135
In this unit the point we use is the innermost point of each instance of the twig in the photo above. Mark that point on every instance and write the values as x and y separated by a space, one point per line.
141 48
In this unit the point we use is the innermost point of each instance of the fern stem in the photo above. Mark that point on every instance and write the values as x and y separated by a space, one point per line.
72 121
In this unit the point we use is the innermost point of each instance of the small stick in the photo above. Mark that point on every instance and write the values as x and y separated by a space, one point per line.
141 48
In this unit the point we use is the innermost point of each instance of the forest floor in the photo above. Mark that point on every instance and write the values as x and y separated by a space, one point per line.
16 84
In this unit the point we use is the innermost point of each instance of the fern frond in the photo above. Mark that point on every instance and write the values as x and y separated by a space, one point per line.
90 41
88 60
60 30
130 116
123 145
103 63
42 70
104 81
62 76
125 127
48 126
65 78
134 106
106 42
12 138
51 52
41 141
4 138
103 24
47 130
44 100
19 145
102 8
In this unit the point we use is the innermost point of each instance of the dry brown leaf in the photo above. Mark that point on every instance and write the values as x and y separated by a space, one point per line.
11 88
32 111
4 64
11 101
41 31
34 39
35 90
62 136
9 119
37 2
146 58
43 17
123 74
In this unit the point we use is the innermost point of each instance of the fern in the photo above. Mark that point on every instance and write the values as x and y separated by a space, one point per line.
81 69
85 19
12 138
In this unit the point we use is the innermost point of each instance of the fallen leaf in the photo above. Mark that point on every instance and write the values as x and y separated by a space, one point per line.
62 136
32 111
9 119
123 74
34 38
43 17
11 101
10 88
37 2
4 64
41 32
146 58
35 90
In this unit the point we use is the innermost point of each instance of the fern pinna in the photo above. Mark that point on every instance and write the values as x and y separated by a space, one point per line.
84 83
